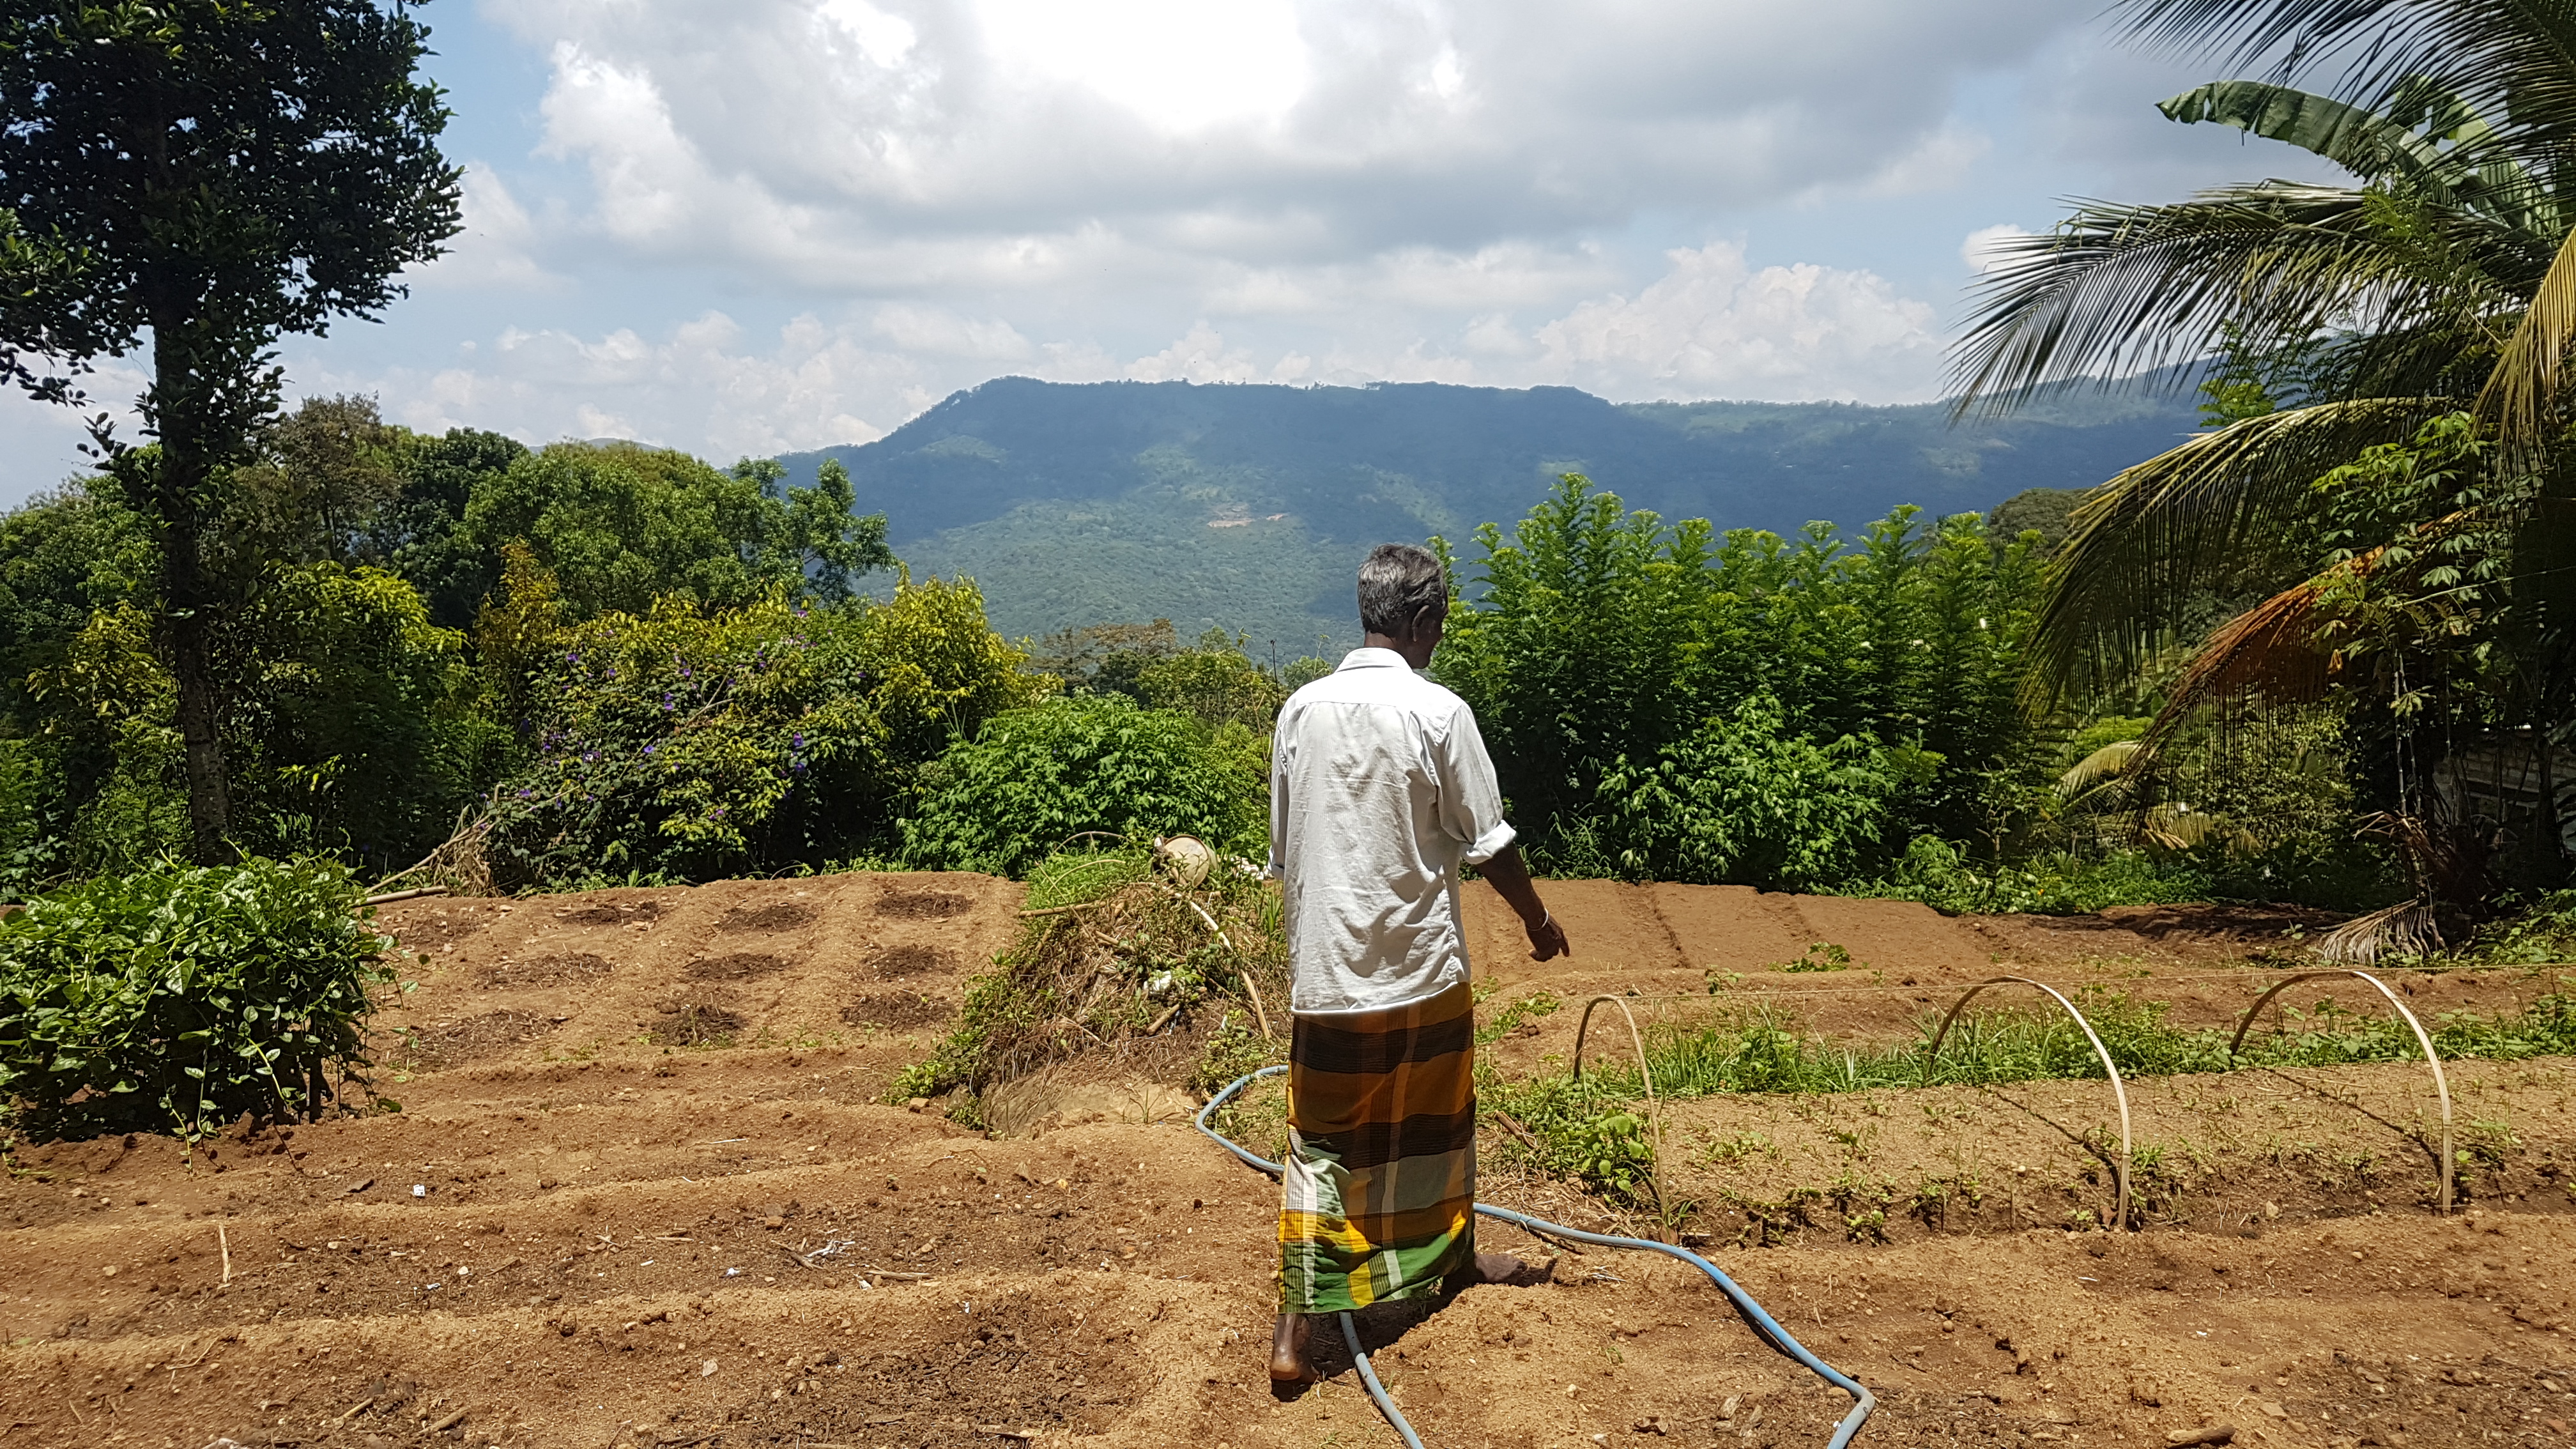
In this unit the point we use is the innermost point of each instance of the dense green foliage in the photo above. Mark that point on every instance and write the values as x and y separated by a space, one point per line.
1663 702
2377 520
361 717
1035 778
687 744
178 999
352 727
623 526
202 178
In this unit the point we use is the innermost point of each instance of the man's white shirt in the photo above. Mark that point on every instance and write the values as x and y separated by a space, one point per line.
1379 788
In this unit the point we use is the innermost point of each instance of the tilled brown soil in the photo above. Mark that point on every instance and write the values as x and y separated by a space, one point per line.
641 1192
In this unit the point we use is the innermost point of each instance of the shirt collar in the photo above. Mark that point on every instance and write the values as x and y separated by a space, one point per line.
1373 659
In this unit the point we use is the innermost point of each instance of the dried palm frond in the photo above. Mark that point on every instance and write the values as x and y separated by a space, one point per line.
2522 394
2448 858
2407 928
2167 529
2269 650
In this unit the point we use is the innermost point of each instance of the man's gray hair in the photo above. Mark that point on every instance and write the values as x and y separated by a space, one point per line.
1398 582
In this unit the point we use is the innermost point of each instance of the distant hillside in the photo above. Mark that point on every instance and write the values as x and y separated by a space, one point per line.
1248 507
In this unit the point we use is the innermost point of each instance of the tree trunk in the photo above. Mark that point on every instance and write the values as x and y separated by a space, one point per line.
191 597
201 731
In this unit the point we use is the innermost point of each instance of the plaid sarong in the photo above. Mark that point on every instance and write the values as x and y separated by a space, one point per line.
1378 1201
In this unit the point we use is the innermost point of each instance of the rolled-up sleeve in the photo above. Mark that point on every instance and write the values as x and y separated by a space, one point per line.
1279 749
1471 802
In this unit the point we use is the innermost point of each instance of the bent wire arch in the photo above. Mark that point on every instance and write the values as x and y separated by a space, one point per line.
2119 1091
1646 1075
2441 1085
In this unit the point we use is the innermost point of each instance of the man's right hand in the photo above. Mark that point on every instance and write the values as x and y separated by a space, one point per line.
1547 938
1511 878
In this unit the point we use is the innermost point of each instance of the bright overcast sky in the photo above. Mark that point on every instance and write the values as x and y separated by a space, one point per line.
743 227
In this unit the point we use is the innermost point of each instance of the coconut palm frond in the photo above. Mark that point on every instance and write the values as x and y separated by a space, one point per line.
2521 395
2185 521
2107 765
2180 827
2117 289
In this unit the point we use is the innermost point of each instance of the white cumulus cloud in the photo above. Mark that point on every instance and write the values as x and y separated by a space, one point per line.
1714 326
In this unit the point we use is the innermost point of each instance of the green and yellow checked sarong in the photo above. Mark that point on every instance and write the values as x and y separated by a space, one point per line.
1378 1202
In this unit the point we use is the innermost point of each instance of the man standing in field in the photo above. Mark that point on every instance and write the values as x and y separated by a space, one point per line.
1380 788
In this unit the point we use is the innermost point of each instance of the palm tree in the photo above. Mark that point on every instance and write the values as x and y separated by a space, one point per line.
2440 286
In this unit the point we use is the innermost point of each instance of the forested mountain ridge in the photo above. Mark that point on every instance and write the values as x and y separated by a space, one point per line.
1246 506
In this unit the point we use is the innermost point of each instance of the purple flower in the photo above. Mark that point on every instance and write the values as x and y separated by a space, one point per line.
649 749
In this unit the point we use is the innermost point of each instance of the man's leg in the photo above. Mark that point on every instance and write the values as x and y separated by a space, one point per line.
1290 1339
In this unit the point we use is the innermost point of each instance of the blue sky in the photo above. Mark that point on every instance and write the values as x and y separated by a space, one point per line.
742 227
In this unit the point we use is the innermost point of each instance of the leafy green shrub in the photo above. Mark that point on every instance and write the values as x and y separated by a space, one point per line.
1742 799
178 999
1034 778
1586 1129
1941 875
2541 932
1665 702
683 744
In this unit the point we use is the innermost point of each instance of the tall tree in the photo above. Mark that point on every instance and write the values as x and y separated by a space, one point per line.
2392 483
2398 300
213 174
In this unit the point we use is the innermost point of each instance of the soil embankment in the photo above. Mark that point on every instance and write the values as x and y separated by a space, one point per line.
641 1193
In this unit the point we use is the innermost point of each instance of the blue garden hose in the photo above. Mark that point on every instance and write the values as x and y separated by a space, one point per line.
1762 1322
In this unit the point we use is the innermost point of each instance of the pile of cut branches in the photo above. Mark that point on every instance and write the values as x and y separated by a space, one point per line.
1119 953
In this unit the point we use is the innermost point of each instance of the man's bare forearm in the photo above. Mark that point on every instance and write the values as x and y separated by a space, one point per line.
1511 877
